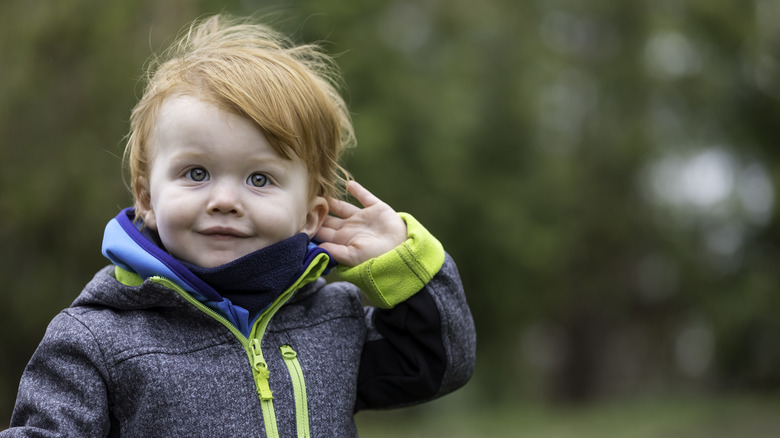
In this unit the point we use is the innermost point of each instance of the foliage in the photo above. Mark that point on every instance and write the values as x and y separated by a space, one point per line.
602 171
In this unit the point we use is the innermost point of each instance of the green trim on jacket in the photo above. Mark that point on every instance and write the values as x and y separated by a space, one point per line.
395 276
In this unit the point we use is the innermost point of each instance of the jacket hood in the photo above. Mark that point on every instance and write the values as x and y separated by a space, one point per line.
130 249
105 290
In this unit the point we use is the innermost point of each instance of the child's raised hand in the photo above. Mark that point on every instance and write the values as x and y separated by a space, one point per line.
355 235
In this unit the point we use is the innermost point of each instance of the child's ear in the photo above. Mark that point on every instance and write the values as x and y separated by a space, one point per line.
318 211
143 201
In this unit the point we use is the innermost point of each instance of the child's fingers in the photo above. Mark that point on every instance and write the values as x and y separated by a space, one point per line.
360 193
325 234
341 208
332 223
339 253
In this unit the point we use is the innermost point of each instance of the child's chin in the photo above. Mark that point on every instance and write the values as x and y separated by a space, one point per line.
214 261
219 259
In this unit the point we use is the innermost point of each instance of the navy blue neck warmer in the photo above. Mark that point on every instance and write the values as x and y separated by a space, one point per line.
255 280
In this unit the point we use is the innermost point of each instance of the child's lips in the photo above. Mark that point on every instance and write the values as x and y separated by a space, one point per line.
223 232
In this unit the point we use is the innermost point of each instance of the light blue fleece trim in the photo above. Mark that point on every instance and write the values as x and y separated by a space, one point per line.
129 249
133 258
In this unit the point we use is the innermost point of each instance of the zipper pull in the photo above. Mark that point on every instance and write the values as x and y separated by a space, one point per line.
288 352
260 369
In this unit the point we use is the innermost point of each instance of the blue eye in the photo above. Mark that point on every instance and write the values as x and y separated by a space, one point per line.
197 174
257 180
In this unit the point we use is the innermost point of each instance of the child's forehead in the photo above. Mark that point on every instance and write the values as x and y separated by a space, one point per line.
200 115
190 127
188 102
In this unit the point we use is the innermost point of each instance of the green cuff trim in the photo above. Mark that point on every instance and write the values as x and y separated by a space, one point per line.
396 275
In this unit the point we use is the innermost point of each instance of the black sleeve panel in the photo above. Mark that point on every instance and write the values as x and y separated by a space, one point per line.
409 363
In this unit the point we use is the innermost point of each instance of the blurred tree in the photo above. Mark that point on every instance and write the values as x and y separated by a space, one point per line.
604 172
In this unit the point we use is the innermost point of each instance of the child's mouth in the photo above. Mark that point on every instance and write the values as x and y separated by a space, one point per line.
223 232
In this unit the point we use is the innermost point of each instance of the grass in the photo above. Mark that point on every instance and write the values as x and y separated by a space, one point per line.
656 418
666 417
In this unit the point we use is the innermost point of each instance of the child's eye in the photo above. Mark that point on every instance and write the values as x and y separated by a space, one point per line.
257 180
197 174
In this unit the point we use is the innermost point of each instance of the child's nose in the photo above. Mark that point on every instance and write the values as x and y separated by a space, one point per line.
224 198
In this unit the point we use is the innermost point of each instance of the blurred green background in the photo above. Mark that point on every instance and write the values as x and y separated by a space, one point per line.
604 172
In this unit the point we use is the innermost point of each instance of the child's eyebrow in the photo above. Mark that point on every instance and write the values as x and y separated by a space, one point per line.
261 158
188 154
180 157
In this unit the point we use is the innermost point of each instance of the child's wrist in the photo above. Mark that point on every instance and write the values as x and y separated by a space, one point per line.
398 274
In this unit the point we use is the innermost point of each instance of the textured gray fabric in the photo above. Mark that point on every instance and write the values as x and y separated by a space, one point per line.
142 361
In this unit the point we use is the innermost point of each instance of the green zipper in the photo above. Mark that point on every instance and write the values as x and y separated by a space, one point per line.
299 390
262 375
252 344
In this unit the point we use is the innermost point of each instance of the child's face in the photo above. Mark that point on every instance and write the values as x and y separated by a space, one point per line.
217 190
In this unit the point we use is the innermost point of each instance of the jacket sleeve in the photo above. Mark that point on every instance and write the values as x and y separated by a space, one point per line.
62 391
421 340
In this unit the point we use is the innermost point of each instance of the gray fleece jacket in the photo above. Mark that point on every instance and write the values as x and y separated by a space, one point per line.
140 356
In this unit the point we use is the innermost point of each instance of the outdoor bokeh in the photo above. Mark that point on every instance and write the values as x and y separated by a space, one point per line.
605 173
